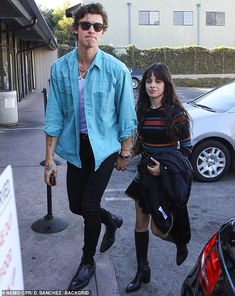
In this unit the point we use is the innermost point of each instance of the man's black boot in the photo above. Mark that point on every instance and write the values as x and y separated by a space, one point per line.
82 276
112 223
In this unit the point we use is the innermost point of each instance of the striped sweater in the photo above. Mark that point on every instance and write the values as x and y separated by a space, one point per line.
154 132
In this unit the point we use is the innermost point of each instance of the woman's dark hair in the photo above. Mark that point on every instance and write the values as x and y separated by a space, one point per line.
169 99
93 8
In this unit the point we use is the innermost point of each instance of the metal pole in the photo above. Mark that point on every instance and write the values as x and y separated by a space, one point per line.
129 23
44 91
49 202
198 23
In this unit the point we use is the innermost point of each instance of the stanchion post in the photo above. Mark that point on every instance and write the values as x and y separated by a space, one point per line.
44 91
49 223
49 202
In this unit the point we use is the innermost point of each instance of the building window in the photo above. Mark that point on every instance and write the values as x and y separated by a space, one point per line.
214 18
149 18
182 18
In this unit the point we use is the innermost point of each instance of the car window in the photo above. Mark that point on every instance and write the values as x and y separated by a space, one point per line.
221 99
227 241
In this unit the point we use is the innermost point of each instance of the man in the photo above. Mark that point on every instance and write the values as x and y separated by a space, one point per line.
90 121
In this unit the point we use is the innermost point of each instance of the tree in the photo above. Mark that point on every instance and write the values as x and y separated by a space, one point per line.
60 26
64 27
47 14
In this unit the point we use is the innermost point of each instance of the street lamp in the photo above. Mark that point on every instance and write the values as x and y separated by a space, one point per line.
129 22
198 23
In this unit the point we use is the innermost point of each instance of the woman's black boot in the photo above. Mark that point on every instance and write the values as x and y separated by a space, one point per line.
142 276
143 269
182 253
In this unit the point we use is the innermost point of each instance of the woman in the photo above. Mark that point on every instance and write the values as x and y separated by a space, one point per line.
163 126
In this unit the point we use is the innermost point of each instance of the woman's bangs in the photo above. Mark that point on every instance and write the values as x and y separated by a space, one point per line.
149 74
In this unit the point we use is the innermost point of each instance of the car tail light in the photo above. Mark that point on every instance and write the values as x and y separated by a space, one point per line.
209 267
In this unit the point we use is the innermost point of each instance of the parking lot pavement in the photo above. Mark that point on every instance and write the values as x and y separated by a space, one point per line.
50 260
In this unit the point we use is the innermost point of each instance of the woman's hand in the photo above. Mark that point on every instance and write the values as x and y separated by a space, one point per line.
154 167
133 153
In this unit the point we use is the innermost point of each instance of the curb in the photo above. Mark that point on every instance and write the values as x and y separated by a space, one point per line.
105 277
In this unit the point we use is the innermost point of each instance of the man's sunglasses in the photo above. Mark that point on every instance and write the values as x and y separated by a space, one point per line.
97 26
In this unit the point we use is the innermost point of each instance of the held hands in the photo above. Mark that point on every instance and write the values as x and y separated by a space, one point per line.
121 163
50 172
122 160
154 167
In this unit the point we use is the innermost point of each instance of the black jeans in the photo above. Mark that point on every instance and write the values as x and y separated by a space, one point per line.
85 188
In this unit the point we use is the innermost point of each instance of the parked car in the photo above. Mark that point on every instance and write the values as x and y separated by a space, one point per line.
213 132
136 77
214 271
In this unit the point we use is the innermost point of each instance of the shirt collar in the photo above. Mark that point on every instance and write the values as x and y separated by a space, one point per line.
96 61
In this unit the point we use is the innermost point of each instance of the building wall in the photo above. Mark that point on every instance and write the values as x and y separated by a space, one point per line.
27 48
23 68
124 25
43 59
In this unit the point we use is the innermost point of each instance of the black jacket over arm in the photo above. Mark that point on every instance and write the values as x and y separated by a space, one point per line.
168 193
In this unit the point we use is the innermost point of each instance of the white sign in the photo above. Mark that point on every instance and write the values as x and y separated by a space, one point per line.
11 274
10 103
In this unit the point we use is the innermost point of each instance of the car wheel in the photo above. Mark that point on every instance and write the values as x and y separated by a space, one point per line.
135 83
210 161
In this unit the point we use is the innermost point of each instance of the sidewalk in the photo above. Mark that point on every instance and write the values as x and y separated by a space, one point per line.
49 259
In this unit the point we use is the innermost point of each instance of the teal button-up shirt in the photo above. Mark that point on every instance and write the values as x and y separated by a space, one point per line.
108 102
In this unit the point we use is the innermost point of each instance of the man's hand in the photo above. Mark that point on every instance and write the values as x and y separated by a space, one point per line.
50 165
50 169
121 163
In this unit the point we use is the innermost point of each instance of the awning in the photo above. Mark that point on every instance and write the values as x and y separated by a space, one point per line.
25 20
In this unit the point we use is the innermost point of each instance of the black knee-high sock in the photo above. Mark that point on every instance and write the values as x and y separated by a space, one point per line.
141 246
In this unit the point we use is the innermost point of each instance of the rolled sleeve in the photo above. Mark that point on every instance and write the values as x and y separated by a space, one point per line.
126 106
53 119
